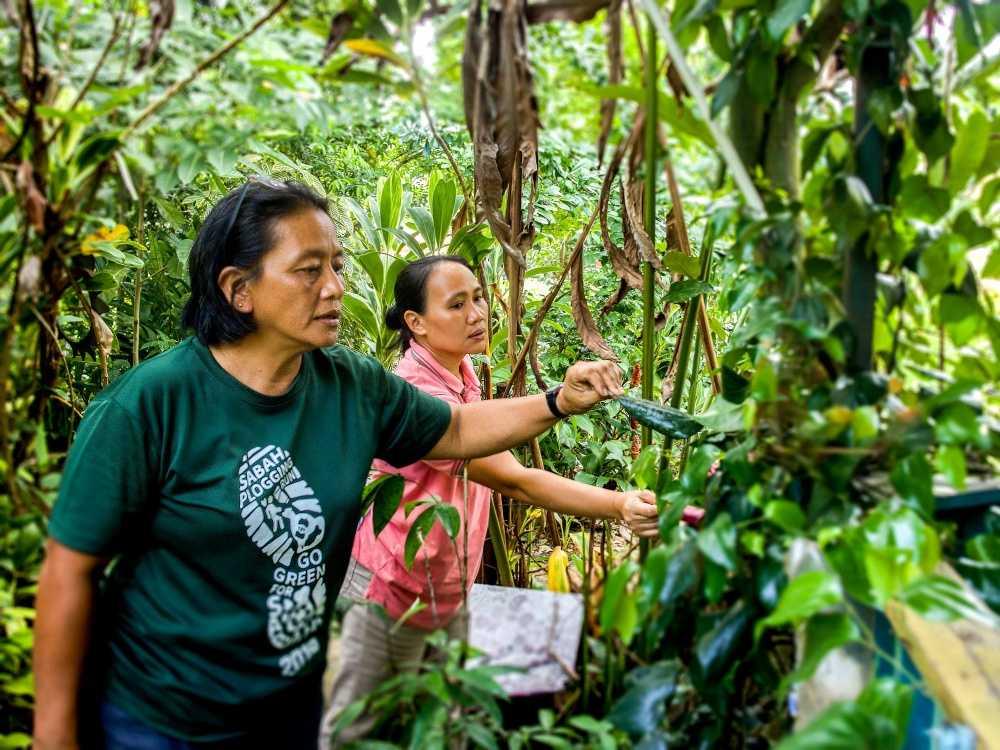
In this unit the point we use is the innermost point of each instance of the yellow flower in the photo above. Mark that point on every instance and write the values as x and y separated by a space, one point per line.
117 233
558 578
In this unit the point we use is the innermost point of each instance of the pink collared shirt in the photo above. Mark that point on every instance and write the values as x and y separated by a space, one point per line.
393 586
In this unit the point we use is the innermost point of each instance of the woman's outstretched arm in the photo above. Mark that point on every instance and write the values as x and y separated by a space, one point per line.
505 474
488 427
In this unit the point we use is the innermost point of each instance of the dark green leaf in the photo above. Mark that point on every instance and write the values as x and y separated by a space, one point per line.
716 648
726 90
383 496
682 291
786 515
824 632
450 519
718 542
804 596
679 262
663 419
913 479
417 533
644 704
785 16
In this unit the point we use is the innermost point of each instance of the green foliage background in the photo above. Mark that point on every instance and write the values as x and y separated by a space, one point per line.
794 438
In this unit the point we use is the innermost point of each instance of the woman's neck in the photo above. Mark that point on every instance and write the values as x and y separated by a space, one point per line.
258 366
448 360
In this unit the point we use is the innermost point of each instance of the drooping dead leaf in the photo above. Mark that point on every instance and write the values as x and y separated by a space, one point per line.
102 333
31 197
502 116
585 325
616 69
29 278
564 10
617 296
339 27
633 207
625 260
161 17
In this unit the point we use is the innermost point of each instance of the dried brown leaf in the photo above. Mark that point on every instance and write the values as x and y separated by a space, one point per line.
616 68
617 296
161 16
29 278
633 208
585 325
340 26
576 11
31 197
626 265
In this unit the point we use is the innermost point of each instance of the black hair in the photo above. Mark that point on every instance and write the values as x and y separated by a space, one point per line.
238 231
411 293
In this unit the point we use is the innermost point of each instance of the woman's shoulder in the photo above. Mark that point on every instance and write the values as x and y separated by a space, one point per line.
152 381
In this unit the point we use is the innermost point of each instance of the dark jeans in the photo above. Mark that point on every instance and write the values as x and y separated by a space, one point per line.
297 731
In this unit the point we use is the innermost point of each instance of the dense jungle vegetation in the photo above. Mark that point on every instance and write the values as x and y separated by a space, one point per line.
778 217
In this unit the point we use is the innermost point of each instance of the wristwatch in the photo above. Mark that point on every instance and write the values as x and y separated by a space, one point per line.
550 398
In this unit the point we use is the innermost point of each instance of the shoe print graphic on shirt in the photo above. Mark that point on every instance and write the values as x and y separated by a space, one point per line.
283 518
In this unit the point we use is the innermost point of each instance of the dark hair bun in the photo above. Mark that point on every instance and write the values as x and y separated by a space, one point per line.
394 318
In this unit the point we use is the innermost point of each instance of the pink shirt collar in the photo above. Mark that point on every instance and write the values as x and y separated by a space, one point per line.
417 357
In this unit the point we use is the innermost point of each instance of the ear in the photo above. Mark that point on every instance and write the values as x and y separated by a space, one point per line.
232 282
415 322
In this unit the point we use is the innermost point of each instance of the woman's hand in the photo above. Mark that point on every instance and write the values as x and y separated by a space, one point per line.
587 384
638 510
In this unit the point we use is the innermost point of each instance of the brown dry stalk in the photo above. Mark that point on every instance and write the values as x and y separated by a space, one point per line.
547 303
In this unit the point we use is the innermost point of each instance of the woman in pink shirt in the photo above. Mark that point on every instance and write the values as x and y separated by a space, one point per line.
440 314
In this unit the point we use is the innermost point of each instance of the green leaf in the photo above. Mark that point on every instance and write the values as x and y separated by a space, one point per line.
942 599
390 201
618 611
418 532
969 149
824 633
716 648
762 75
646 468
718 542
877 719
726 90
171 213
681 574
678 262
425 225
682 291
643 706
950 461
358 309
804 596
450 519
785 515
442 207
913 479
663 419
15 741
785 16
383 496
695 473
735 387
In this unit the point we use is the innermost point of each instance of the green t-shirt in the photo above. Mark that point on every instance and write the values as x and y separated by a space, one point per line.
233 514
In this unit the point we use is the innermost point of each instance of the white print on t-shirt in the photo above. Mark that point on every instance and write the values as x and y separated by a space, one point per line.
283 518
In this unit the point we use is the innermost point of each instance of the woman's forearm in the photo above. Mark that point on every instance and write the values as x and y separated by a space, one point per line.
64 609
567 496
488 427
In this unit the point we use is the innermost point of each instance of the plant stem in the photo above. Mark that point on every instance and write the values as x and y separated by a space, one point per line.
648 272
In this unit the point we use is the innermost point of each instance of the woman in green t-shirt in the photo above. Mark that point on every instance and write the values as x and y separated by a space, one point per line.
224 475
